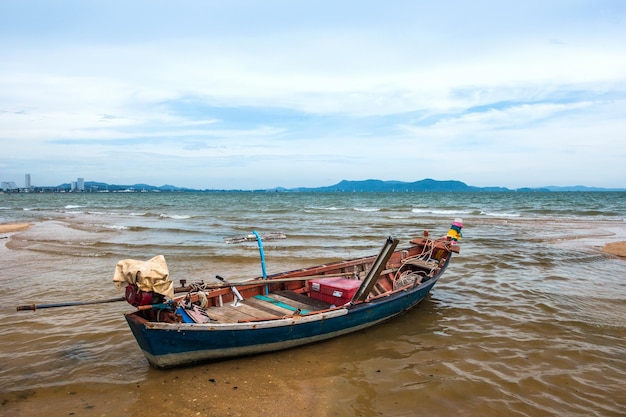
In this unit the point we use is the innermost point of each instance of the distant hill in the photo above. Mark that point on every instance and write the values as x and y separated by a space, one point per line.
399 186
431 185
581 188
95 186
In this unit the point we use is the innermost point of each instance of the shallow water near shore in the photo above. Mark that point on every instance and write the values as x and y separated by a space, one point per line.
528 319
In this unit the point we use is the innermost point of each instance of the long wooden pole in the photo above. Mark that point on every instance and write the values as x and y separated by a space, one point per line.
34 307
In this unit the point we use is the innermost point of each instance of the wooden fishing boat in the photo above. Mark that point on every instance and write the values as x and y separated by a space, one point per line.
222 319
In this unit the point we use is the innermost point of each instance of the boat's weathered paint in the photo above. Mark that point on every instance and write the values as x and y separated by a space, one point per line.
173 344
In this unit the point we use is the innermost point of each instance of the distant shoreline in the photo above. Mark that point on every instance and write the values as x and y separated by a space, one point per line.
348 186
53 190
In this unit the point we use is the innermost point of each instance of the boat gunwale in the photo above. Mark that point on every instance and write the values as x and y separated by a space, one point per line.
246 325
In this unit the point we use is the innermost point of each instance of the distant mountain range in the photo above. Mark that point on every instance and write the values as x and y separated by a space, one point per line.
430 185
371 185
398 186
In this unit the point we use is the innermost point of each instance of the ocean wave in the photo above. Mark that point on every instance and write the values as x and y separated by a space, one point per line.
446 212
329 208
161 215
175 216
496 214
113 226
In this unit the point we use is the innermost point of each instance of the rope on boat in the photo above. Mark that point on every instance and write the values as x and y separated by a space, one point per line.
425 251
202 298
406 277
199 288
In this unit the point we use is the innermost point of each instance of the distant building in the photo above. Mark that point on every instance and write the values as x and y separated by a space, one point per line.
80 184
27 184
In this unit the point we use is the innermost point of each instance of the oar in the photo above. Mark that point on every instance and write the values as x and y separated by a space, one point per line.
34 307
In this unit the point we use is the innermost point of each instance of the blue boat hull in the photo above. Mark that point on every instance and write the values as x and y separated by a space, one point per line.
174 344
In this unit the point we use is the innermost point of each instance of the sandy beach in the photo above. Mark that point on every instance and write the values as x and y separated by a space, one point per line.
13 227
616 248
8 229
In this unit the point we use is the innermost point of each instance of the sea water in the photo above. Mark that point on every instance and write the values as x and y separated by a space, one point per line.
529 319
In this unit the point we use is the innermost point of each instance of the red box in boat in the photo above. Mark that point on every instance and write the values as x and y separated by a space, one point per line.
337 291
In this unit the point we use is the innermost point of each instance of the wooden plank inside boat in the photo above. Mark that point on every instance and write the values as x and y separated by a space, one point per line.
302 300
271 308
227 314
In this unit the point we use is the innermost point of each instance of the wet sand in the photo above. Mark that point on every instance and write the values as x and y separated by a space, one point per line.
221 389
616 248
8 229
13 227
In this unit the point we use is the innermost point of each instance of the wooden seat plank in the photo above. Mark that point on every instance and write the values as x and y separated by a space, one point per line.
269 307
253 312
312 303
220 315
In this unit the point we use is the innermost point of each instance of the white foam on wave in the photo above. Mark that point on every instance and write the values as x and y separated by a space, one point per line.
114 226
494 214
332 208
174 216
440 212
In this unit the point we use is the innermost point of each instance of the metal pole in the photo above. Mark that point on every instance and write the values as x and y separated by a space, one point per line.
258 239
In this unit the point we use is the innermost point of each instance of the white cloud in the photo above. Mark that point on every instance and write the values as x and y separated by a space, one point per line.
477 93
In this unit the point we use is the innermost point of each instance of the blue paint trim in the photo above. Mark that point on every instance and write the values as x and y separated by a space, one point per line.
185 317
258 239
279 303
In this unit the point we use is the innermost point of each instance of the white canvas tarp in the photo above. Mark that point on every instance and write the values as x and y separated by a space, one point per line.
151 275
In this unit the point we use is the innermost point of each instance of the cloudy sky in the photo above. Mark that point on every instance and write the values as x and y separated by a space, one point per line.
265 93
